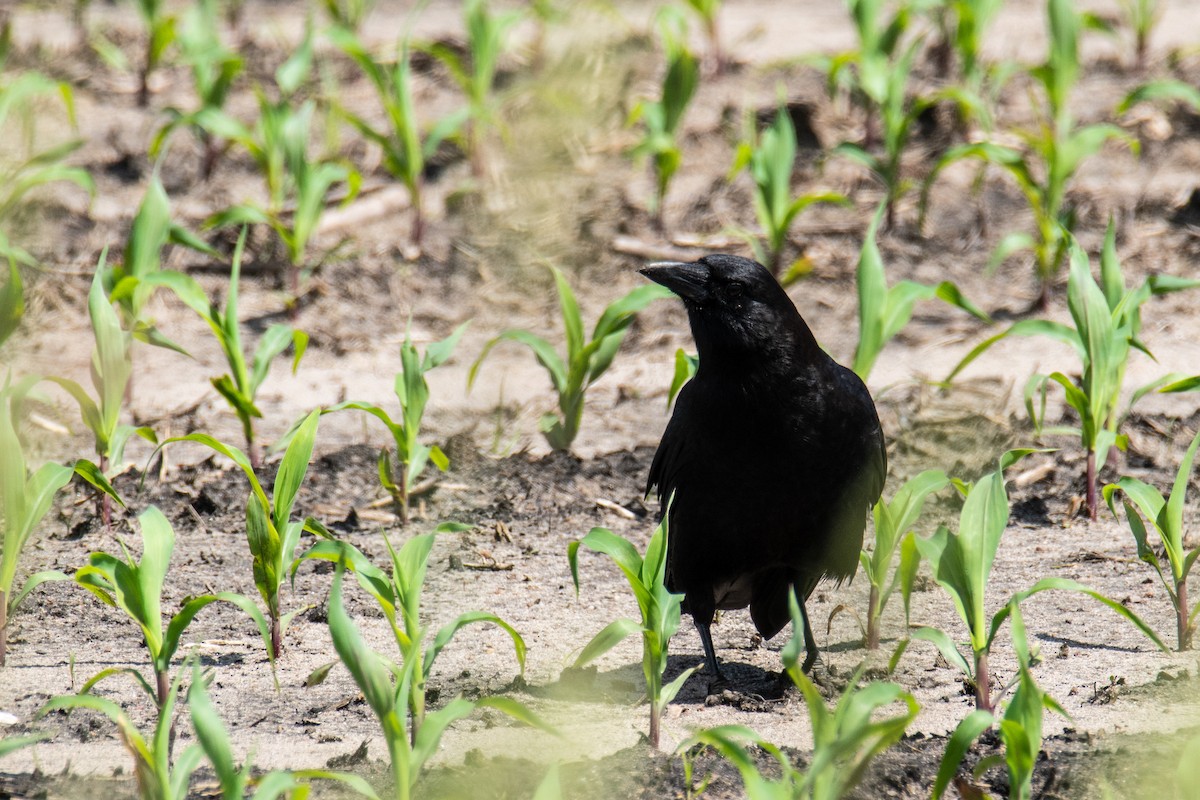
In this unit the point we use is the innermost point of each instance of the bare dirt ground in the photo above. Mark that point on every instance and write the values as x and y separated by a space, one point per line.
560 190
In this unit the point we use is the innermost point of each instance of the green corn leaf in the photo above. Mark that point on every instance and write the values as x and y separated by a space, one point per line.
12 300
293 468
609 637
542 349
446 633
965 734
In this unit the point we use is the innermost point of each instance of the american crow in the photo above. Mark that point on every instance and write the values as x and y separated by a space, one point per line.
771 459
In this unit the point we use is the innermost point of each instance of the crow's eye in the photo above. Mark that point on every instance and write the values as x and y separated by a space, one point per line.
736 290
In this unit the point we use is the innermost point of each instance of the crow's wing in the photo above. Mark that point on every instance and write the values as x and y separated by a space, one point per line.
673 449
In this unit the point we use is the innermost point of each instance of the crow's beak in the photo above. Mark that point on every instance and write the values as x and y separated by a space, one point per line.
689 281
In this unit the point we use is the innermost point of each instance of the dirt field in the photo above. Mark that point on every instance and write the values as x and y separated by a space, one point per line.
559 189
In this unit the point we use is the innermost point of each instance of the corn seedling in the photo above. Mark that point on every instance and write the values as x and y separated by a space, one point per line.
214 68
1107 318
297 185
25 498
160 34
1143 502
586 360
1162 91
1141 16
128 282
399 598
135 587
883 311
348 15
659 613
769 157
111 370
405 149
12 301
1020 726
660 120
686 365
487 41
271 533
240 385
962 563
412 391
962 25
709 12
157 778
24 169
388 687
894 522
234 781
1051 154
845 740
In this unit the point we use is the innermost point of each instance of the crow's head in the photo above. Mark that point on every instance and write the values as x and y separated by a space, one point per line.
736 307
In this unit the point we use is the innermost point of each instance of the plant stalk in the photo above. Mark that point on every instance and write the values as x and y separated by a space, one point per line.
276 636
3 627
873 619
1183 630
983 681
163 687
1091 484
143 95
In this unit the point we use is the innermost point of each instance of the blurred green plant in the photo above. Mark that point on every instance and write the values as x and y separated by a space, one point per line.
586 360
1052 152
769 157
883 311
686 365
412 391
845 740
270 532
1107 326
1143 502
240 385
25 497
475 74
659 613
709 12
160 26
387 687
298 185
214 68
1141 16
405 149
660 120
398 596
212 739
348 15
135 587
894 523
1020 727
962 565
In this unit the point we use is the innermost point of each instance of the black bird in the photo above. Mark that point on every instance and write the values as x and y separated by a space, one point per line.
772 457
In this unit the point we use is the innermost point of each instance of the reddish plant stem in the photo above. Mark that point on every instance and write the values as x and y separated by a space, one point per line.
163 686
3 627
655 718
1091 484
983 682
276 637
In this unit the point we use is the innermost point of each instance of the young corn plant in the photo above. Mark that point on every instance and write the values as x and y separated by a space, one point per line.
25 168
240 385
214 68
298 185
1144 503
348 15
769 157
1141 16
659 613
388 688
271 533
660 120
157 778
1020 726
398 596
129 283
12 301
136 587
709 12
845 740
883 311
894 523
412 391
962 26
111 370
25 498
1049 158
160 28
234 781
487 41
405 148
586 360
1107 318
962 563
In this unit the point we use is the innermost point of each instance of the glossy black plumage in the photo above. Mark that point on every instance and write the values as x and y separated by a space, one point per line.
773 454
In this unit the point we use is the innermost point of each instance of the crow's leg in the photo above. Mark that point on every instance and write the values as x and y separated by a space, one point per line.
810 642
710 655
